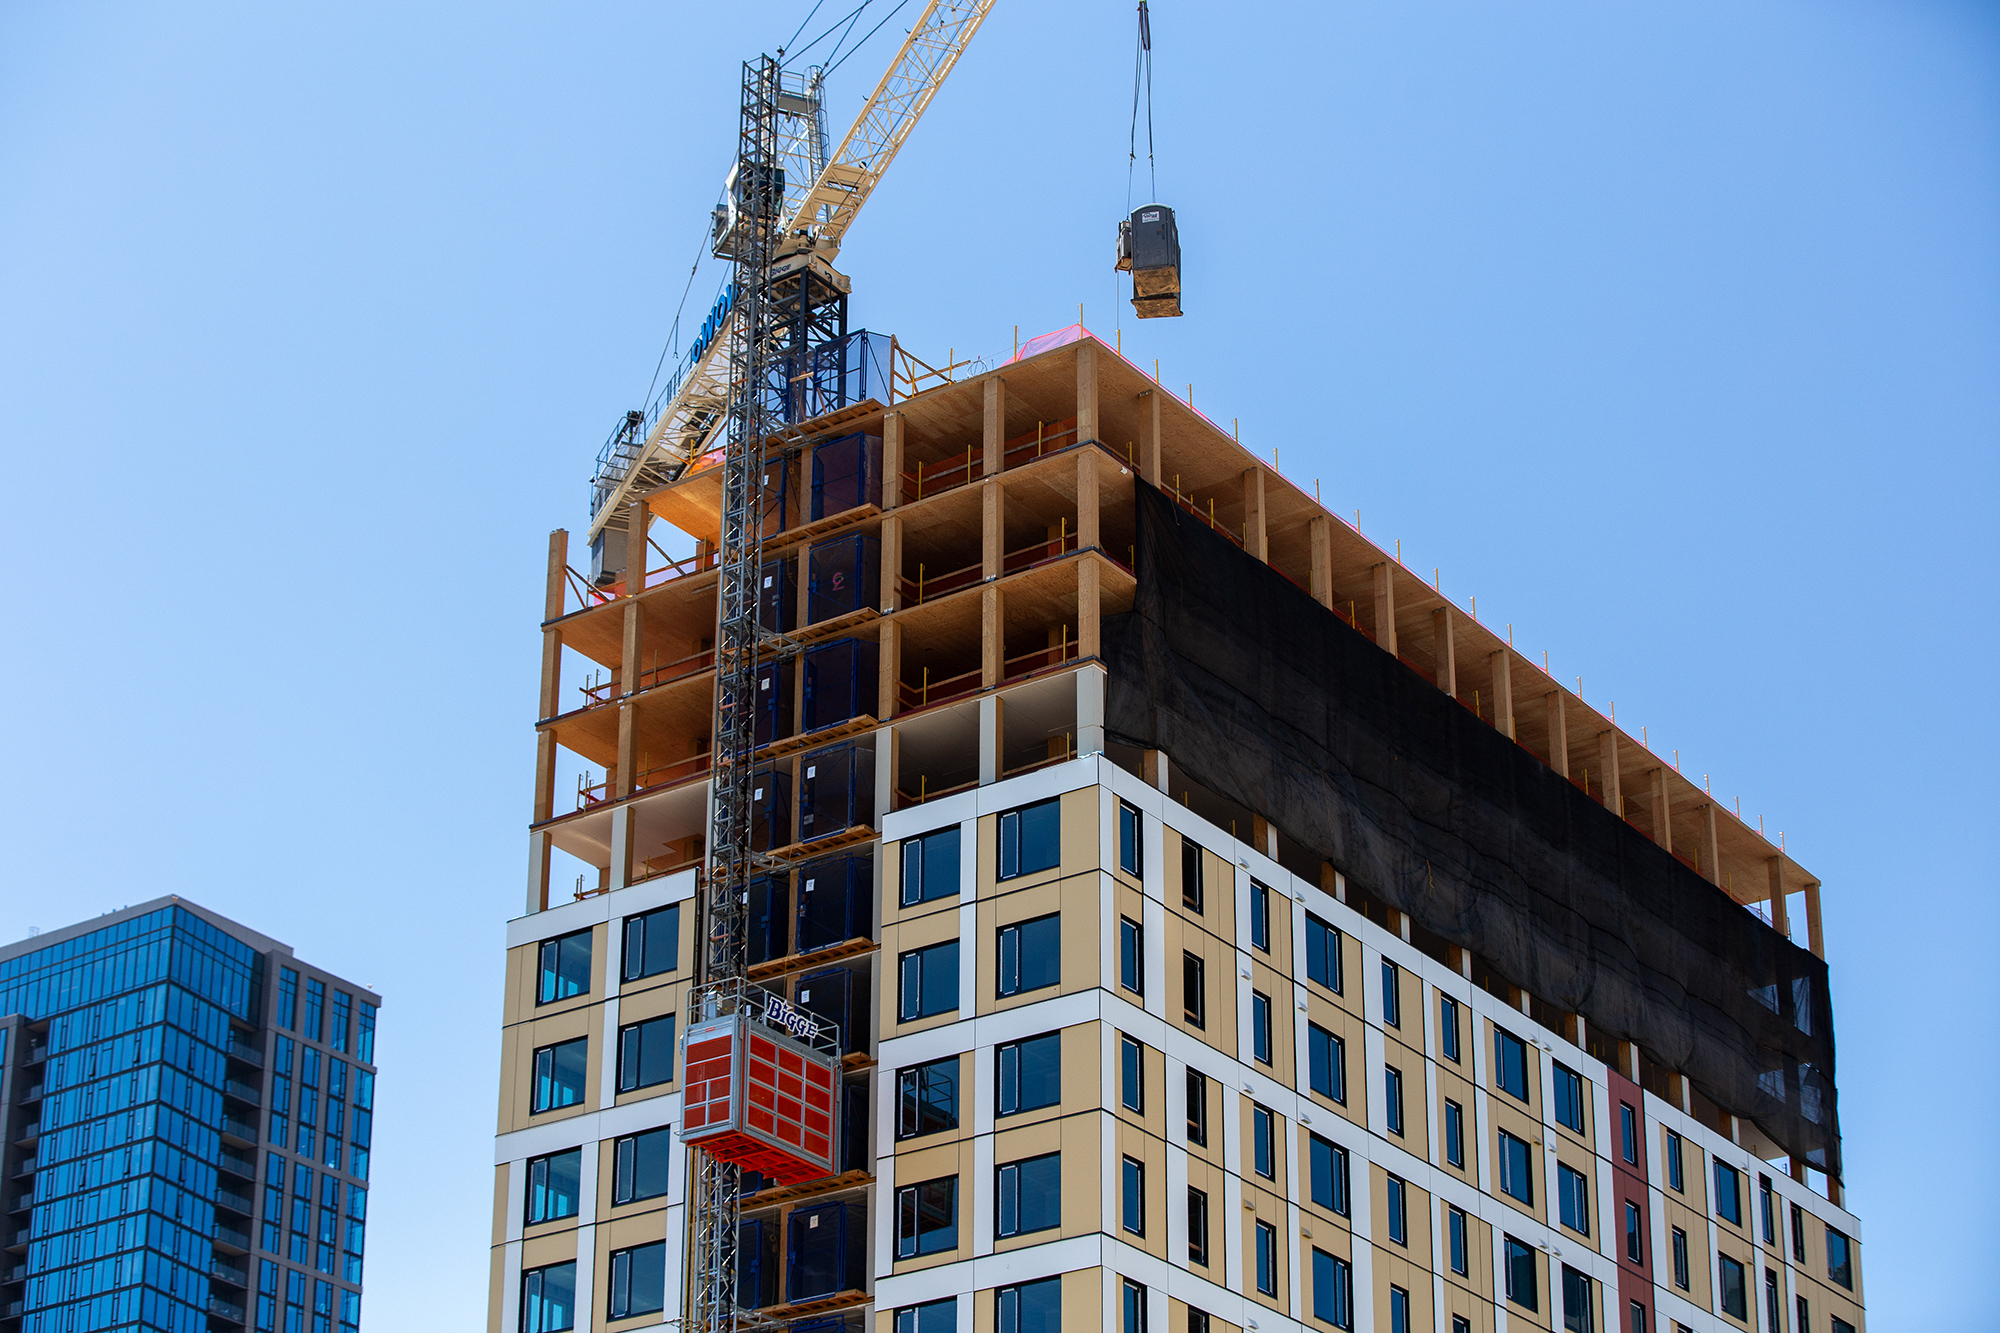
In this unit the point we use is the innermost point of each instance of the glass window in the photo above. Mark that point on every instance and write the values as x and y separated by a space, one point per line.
1197 1108
559 1074
642 1164
1260 916
1628 1133
1399 1310
927 1100
1333 1290
1579 1310
1735 1289
1569 1097
1523 1280
1728 1193
1798 1233
1640 1324
1197 1227
1029 1195
1131 955
1030 1073
1448 1027
548 1298
1840 1258
1773 1303
364 1039
1029 1307
1392 1098
1767 1211
1399 1210
1839 1325
1510 1064
1260 1027
1128 839
930 1317
1454 1134
1326 1063
1192 896
927 982
930 870
1267 1258
1133 1319
652 942
1635 1234
1461 1250
288 998
1573 1198
315 1008
638 1280
1329 1175
1132 1075
552 1185
1680 1259
1194 990
1132 1196
1030 957
565 969
1264 1138
1031 839
646 1053
927 1217
343 1018
1392 994
1322 953
1675 1177
1517 1169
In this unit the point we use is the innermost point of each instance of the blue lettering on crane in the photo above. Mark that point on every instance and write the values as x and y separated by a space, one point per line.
711 326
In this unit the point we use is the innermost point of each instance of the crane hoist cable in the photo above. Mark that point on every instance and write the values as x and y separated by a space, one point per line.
1142 73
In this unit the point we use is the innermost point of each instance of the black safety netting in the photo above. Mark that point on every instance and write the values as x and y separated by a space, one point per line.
1268 699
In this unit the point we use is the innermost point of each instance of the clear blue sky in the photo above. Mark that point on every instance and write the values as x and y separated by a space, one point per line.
1669 331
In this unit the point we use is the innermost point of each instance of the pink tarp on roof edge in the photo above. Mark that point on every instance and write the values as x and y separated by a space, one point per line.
1060 338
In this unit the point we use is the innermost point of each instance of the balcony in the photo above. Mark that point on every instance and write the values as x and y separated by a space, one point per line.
229 1238
32 1095
234 1127
36 1054
244 1051
238 1165
244 1091
605 691
222 1271
230 1199
225 1310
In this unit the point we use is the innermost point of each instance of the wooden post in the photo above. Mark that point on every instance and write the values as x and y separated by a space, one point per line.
637 519
1711 856
993 424
545 776
1150 459
1254 537
892 564
1157 770
1385 607
1815 937
553 599
992 638
628 662
1607 761
1503 693
1444 650
804 589
1558 733
993 530
621 780
1780 920
1663 826
1321 579
892 459
1088 643
888 669
550 700
1086 499
1086 390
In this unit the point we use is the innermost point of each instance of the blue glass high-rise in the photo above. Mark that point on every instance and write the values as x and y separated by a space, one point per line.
185 1125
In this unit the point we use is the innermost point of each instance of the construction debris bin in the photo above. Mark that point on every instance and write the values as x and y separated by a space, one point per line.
840 682
770 917
846 474
778 596
840 996
836 900
756 1263
770 809
774 701
845 575
825 1250
837 789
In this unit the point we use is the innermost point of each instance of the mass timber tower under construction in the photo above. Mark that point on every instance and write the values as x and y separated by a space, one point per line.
1184 917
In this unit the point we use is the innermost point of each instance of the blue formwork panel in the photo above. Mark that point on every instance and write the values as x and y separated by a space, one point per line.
836 789
770 917
840 996
778 596
846 474
770 809
841 681
836 901
826 1248
844 574
773 701
854 1127
756 1264
777 496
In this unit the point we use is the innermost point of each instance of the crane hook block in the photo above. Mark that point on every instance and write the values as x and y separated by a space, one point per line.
1149 248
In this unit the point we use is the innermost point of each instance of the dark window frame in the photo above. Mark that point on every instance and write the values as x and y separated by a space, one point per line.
923 959
1012 1186
1007 1070
632 1072
914 1084
625 1172
920 866
915 1240
633 965
1013 831
1038 938
1132 956
554 959
1131 839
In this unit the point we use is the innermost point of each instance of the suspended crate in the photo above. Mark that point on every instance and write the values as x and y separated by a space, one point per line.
846 474
778 596
836 789
825 1250
761 1088
836 901
1149 245
774 700
839 997
841 680
845 575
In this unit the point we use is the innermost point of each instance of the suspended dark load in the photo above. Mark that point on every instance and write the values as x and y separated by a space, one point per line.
1149 248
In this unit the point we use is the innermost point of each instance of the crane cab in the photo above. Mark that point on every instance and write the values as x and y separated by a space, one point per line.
1149 248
